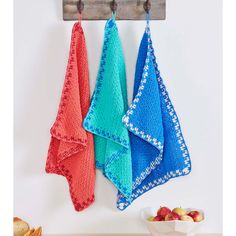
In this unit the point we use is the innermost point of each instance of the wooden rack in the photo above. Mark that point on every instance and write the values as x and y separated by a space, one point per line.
125 9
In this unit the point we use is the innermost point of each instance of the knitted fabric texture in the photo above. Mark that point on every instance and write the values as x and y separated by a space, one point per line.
71 151
104 119
159 152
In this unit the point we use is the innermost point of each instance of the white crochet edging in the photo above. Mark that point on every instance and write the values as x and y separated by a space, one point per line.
141 133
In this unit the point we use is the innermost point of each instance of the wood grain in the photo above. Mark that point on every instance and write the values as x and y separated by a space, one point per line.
127 10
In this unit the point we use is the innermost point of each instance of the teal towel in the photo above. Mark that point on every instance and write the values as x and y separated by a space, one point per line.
104 119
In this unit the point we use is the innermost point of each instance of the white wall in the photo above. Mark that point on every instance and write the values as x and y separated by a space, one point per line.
189 56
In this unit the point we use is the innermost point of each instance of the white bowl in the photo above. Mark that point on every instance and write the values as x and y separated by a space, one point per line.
170 228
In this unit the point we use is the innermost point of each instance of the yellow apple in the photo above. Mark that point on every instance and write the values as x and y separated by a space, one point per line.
150 218
180 211
186 218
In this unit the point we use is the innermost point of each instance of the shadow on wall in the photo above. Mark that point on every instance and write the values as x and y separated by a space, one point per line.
59 9
32 127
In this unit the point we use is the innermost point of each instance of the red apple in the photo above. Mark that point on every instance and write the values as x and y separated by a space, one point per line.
158 218
163 211
172 216
180 211
196 215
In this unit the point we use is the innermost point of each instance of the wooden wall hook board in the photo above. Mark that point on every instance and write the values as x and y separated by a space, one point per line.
147 6
80 6
125 9
113 5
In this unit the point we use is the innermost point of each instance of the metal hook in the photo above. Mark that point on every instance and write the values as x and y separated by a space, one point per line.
113 6
80 6
147 6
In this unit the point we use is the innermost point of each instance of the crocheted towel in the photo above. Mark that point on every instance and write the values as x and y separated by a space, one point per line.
71 151
104 119
159 152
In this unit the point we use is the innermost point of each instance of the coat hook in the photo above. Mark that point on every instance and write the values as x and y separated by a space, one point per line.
147 6
113 6
80 6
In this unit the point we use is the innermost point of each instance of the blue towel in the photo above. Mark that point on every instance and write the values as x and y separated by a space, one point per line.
159 152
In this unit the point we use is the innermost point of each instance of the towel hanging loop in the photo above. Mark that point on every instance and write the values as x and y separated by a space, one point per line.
147 6
80 6
113 6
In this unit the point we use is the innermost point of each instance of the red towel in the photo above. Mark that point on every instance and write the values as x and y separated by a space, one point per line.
71 151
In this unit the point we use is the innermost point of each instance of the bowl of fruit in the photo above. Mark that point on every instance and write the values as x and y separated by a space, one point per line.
176 222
